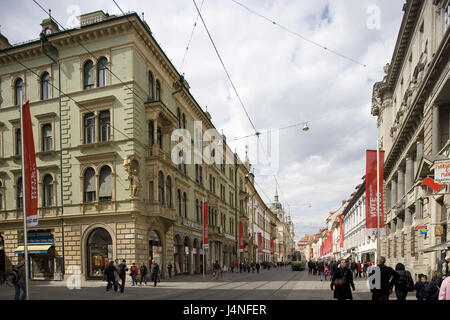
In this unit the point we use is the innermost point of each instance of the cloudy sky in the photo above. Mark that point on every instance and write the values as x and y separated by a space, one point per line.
282 79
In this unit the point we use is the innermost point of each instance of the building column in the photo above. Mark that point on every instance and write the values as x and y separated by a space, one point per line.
419 155
435 130
409 174
408 217
393 192
419 209
401 184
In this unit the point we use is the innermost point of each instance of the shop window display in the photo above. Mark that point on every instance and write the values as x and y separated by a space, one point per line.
99 250
155 248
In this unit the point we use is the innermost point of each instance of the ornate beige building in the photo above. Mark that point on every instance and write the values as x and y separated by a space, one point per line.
412 108
107 185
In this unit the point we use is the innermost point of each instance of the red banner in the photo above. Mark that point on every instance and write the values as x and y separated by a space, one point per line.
259 242
341 227
205 225
271 247
292 251
312 253
241 238
30 168
371 193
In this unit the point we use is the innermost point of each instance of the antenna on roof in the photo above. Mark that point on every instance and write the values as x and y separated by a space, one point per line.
50 13
142 16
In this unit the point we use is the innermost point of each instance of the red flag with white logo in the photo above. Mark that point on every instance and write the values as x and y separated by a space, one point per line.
371 193
259 242
241 238
29 155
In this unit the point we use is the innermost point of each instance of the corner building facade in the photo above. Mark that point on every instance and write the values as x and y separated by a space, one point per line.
107 185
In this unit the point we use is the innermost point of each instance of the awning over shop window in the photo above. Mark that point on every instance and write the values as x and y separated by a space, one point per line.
438 247
34 249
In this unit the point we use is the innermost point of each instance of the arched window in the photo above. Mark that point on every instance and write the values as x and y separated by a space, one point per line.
169 191
48 191
161 187
89 185
18 91
158 91
102 72
150 85
45 86
105 184
89 128
99 252
104 129
88 74
19 194
179 201
185 204
151 133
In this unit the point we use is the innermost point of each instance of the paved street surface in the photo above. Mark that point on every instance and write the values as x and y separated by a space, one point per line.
273 284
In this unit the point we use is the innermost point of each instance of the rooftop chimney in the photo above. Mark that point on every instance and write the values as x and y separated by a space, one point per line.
92 17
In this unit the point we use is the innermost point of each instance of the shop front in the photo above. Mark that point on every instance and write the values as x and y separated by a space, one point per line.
41 253
155 248
99 253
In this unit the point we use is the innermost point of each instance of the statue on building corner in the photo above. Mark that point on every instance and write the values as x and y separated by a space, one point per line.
133 177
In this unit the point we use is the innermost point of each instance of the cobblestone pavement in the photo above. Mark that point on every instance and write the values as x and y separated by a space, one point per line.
273 284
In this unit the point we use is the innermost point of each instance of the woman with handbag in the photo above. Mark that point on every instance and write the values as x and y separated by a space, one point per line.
341 281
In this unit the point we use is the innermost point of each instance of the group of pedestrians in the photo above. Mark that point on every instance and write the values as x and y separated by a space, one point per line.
389 280
115 274
325 269
252 266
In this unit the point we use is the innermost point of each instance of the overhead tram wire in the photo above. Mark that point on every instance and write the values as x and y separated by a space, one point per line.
268 131
301 36
63 93
229 78
88 51
225 69
190 38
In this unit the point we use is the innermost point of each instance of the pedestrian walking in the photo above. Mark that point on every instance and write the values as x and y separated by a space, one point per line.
320 269
388 278
133 274
364 269
353 269
169 269
326 272
143 274
110 272
258 266
122 271
358 269
420 286
216 269
431 291
405 282
342 281
309 267
155 271
240 267
332 268
17 278
443 266
444 292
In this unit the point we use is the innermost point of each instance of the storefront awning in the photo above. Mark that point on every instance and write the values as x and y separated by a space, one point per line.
35 249
438 247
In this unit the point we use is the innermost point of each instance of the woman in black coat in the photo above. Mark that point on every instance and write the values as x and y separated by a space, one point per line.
342 292
110 277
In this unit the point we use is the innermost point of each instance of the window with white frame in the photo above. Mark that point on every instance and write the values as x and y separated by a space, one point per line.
89 190
102 72
47 199
47 132
45 86
105 184
19 194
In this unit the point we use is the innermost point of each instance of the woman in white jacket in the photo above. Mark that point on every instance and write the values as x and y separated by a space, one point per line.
444 292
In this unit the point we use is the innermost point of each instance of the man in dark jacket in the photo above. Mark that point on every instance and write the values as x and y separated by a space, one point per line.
420 286
20 281
444 266
341 281
122 271
388 278
110 276
431 291
143 273
405 282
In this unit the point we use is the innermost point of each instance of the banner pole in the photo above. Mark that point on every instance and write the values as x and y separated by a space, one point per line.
203 241
378 198
24 198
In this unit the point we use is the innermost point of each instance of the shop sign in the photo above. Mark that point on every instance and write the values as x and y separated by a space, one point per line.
129 236
140 236
40 236
438 231
191 225
442 171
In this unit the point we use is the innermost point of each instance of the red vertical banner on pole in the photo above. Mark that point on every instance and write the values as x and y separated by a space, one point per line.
292 251
342 231
259 242
371 193
205 225
241 238
271 247
30 168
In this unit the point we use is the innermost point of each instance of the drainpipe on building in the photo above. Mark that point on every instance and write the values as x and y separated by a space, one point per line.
43 39
235 207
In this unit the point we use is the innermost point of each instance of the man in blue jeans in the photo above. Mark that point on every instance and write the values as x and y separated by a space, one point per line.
20 283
